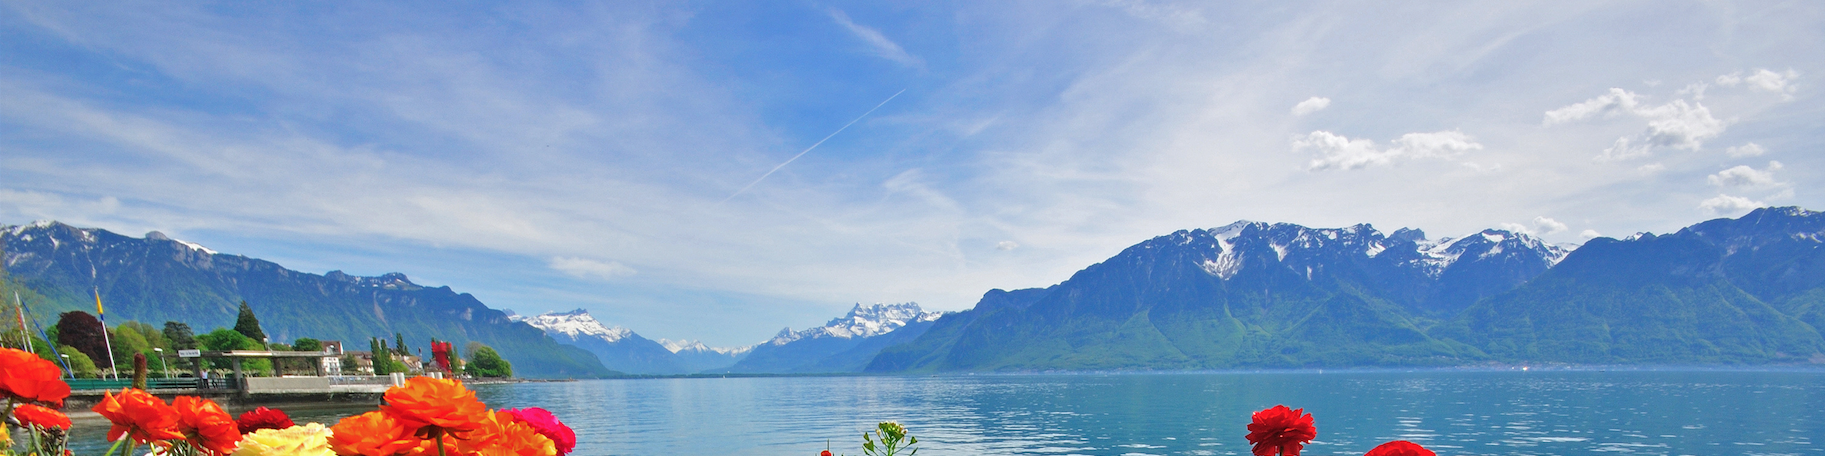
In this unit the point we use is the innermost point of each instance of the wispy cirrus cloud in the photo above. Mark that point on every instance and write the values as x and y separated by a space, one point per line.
523 152
877 42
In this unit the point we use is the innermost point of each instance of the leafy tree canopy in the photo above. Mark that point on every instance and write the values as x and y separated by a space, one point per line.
82 331
485 362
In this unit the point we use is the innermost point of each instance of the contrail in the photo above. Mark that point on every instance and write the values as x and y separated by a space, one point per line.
813 146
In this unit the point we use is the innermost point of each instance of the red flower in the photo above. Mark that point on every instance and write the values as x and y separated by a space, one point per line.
263 418
28 378
138 414
548 425
824 453
1281 431
32 415
205 425
1400 448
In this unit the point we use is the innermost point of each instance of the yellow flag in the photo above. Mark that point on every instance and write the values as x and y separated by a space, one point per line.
98 312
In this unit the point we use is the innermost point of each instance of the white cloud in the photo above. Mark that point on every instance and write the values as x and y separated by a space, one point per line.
1443 144
1546 226
1678 123
1540 226
1742 176
587 268
1726 205
1616 102
1590 234
1764 80
882 47
1311 105
1746 150
1006 246
1338 151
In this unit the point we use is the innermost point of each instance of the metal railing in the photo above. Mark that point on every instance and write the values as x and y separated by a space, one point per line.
89 384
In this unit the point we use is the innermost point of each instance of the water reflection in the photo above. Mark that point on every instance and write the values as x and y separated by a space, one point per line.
1654 413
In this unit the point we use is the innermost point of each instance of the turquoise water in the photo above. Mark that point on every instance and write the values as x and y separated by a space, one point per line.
1453 412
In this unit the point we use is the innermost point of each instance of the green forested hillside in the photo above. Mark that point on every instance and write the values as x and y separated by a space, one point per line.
155 279
1727 291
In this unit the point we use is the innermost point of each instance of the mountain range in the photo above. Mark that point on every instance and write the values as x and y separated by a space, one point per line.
155 279
1748 290
845 344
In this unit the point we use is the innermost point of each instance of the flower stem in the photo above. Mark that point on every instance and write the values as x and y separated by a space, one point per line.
440 444
116 446
33 429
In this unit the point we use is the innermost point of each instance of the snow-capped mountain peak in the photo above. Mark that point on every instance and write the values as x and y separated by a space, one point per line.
693 346
575 324
861 321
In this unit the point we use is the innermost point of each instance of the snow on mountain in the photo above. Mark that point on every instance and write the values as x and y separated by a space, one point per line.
576 325
1302 245
693 346
861 322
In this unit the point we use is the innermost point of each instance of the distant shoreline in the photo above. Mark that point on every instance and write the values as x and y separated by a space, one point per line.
1802 368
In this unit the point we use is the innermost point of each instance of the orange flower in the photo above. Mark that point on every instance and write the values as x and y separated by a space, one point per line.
139 414
205 425
431 407
28 378
32 415
507 435
371 434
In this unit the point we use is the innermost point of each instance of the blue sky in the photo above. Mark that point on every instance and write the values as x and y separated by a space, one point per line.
549 156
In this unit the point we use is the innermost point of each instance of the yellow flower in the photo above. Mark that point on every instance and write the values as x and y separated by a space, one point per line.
306 440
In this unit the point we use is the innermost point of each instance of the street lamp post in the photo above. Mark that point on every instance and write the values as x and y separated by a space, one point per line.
66 362
161 361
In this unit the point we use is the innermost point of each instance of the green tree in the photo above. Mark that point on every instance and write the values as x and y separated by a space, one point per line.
223 339
399 345
79 362
306 344
153 335
129 342
180 336
485 362
248 325
383 359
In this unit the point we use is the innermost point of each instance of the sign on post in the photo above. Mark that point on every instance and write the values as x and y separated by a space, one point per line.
189 353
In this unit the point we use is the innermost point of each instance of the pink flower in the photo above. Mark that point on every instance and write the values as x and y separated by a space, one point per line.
549 426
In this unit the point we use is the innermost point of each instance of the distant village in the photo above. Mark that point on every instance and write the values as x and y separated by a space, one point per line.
87 348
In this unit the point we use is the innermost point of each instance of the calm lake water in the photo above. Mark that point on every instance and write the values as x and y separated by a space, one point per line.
1453 412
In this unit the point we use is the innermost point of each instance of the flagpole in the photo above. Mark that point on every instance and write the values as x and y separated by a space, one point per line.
24 332
47 339
99 315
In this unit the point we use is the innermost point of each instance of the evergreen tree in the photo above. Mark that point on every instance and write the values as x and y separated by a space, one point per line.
383 358
399 344
247 325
